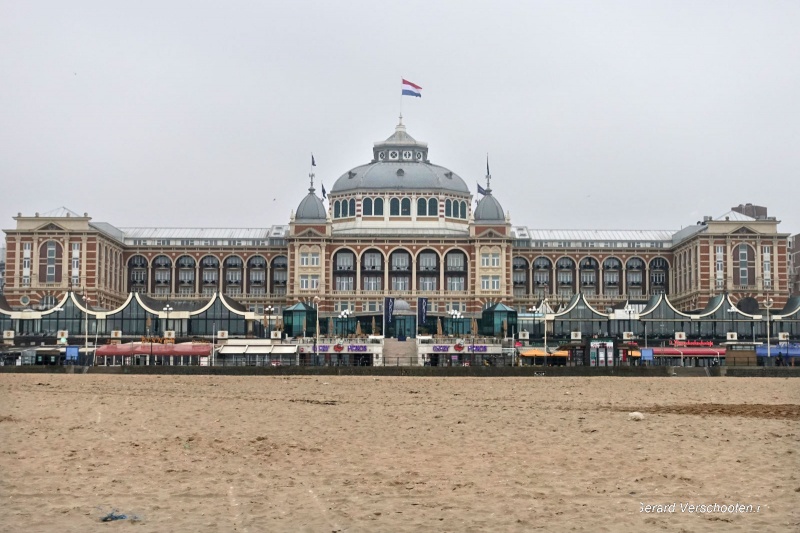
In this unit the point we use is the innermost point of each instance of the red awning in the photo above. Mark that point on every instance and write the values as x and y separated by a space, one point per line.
146 348
689 351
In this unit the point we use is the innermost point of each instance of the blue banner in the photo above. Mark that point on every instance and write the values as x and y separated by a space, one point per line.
388 309
422 311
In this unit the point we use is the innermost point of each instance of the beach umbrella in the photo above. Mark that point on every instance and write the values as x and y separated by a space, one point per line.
331 330
358 328
304 326
474 327
373 325
439 326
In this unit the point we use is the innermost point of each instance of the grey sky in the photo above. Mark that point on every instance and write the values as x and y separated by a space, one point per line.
606 115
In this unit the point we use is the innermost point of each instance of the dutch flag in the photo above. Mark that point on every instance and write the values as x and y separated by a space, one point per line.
411 89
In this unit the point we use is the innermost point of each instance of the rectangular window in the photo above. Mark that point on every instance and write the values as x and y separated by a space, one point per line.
485 260
185 290
400 261
372 283
400 283
344 283
455 262
565 278
495 283
257 291
541 278
314 259
427 283
455 283
427 262
372 261
233 276
588 278
634 278
495 260
304 282
611 278
485 284
233 290
344 261
304 259
256 276
162 275
208 291
373 307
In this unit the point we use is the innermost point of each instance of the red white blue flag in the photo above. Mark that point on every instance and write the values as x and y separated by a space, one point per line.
411 89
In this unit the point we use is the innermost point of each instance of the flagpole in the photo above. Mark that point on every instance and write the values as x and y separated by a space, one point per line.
401 98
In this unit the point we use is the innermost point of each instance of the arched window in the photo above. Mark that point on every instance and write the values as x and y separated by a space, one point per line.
352 207
422 207
344 208
448 208
433 208
464 210
394 207
405 207
336 209
366 207
378 207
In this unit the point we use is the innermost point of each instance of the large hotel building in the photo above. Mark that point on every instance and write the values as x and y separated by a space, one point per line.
398 226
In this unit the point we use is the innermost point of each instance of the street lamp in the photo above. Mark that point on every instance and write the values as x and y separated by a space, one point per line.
542 309
630 311
269 310
344 315
456 315
86 327
167 309
316 331
731 310
768 303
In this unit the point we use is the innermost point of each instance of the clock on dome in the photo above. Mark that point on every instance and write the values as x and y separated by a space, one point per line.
393 155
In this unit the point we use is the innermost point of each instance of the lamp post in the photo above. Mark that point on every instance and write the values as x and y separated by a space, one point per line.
731 310
167 309
767 304
456 315
630 311
86 327
316 331
542 309
344 316
269 310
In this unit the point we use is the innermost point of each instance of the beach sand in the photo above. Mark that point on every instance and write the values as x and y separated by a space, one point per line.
325 454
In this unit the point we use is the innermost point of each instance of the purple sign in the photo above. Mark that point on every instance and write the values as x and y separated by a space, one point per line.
357 348
323 347
477 348
440 348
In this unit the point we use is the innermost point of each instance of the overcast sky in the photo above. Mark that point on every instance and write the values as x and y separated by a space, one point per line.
596 115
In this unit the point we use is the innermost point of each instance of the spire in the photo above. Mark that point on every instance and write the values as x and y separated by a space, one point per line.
488 189
311 174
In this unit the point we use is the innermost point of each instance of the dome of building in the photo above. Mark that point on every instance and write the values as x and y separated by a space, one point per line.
311 207
400 162
489 209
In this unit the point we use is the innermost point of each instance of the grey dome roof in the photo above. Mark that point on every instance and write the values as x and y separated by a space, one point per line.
400 162
489 209
311 208
397 175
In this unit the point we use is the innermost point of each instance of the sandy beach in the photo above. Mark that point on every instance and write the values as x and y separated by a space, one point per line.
326 454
